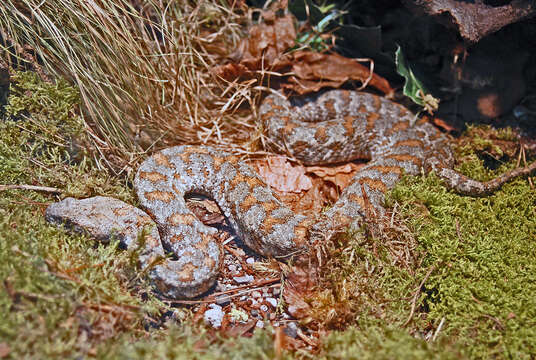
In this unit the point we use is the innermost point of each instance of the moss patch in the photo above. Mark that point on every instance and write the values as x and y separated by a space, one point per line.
61 294
482 252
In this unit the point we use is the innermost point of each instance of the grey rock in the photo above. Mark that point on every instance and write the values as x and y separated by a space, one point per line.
291 330
245 279
214 316
272 301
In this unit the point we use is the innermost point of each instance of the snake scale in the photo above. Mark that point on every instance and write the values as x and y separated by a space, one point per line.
337 126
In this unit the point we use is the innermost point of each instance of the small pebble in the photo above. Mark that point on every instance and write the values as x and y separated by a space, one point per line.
223 300
256 294
240 252
214 316
238 315
264 308
250 260
221 286
254 312
291 330
246 279
232 268
272 301
260 324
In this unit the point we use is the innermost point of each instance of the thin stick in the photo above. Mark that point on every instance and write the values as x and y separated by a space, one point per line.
417 293
31 187
248 288
438 329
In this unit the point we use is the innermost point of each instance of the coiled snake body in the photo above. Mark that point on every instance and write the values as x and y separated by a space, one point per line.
339 126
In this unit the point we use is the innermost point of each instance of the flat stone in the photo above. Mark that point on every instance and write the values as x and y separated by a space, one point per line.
291 330
214 316
272 301
223 300
246 279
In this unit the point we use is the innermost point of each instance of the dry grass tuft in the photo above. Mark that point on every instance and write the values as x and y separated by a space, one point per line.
143 69
362 273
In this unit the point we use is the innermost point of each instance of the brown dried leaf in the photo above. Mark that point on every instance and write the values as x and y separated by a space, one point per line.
232 71
314 200
207 211
297 307
300 284
340 175
265 49
240 329
5 350
279 342
313 71
281 175
444 125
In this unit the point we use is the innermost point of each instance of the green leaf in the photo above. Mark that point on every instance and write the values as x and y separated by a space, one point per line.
413 87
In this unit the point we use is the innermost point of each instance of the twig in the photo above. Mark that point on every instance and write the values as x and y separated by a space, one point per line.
438 328
495 320
417 293
525 163
248 288
113 308
306 339
237 255
458 232
31 187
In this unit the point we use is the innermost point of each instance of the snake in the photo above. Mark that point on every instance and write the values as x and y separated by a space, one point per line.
333 127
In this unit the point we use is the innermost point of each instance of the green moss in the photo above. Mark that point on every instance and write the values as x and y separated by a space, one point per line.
42 139
483 251
58 288
381 341
188 342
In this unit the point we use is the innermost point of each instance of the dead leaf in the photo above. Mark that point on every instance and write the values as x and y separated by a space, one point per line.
300 284
240 329
340 175
313 71
444 125
232 71
265 49
296 306
207 211
281 175
262 49
279 342
5 350
313 201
